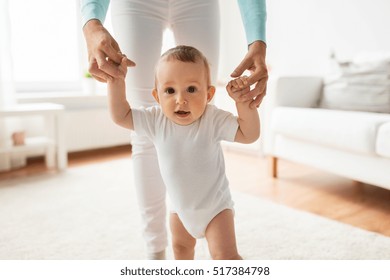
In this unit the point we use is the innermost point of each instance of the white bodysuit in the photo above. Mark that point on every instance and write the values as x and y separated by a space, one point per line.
191 162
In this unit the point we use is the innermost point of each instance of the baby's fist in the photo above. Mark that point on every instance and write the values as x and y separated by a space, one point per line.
237 88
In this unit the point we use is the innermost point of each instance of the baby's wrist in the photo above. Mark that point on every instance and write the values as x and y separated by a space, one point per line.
243 103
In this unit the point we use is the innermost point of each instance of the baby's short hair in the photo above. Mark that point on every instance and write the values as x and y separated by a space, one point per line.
187 54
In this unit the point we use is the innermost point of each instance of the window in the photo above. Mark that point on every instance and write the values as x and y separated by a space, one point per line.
46 45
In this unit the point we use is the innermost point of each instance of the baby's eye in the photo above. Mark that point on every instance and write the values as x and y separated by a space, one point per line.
170 90
191 89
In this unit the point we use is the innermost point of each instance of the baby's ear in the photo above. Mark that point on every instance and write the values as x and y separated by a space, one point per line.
155 95
210 93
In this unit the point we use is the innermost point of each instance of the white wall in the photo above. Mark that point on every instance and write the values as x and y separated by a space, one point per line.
302 33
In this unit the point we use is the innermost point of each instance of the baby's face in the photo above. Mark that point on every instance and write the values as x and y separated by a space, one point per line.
182 90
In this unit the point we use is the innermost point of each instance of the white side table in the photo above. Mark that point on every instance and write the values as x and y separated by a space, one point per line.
53 143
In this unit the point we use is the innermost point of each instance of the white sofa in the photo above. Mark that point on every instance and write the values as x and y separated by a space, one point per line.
352 144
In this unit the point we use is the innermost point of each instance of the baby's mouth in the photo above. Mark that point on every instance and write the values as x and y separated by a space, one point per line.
181 113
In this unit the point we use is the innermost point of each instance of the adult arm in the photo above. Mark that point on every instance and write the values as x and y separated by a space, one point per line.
254 15
93 9
102 47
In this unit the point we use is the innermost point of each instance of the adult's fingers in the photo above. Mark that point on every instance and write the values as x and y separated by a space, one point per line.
257 101
113 52
98 74
99 79
245 64
256 91
130 63
109 68
257 75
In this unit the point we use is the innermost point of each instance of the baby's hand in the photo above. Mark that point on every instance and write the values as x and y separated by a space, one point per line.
122 67
237 88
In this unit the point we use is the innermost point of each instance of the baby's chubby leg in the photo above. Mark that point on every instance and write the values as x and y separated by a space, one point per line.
182 242
221 237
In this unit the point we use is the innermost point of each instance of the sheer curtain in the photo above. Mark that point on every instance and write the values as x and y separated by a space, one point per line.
6 82
7 92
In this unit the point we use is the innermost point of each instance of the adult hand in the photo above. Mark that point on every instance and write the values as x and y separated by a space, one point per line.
104 54
254 61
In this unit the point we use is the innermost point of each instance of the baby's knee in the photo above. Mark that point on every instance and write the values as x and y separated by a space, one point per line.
225 255
183 248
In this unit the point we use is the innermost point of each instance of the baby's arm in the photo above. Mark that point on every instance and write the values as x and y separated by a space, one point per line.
119 107
248 118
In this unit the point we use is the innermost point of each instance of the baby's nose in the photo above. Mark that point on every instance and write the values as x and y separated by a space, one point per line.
181 99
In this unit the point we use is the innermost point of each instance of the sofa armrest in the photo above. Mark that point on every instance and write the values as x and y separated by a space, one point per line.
288 92
298 91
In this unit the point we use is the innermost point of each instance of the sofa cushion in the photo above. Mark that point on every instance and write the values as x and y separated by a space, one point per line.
357 94
346 130
360 85
383 140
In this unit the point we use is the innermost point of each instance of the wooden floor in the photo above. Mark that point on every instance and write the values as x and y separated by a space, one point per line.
298 186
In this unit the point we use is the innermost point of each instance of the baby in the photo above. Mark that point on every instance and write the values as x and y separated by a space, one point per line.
187 132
